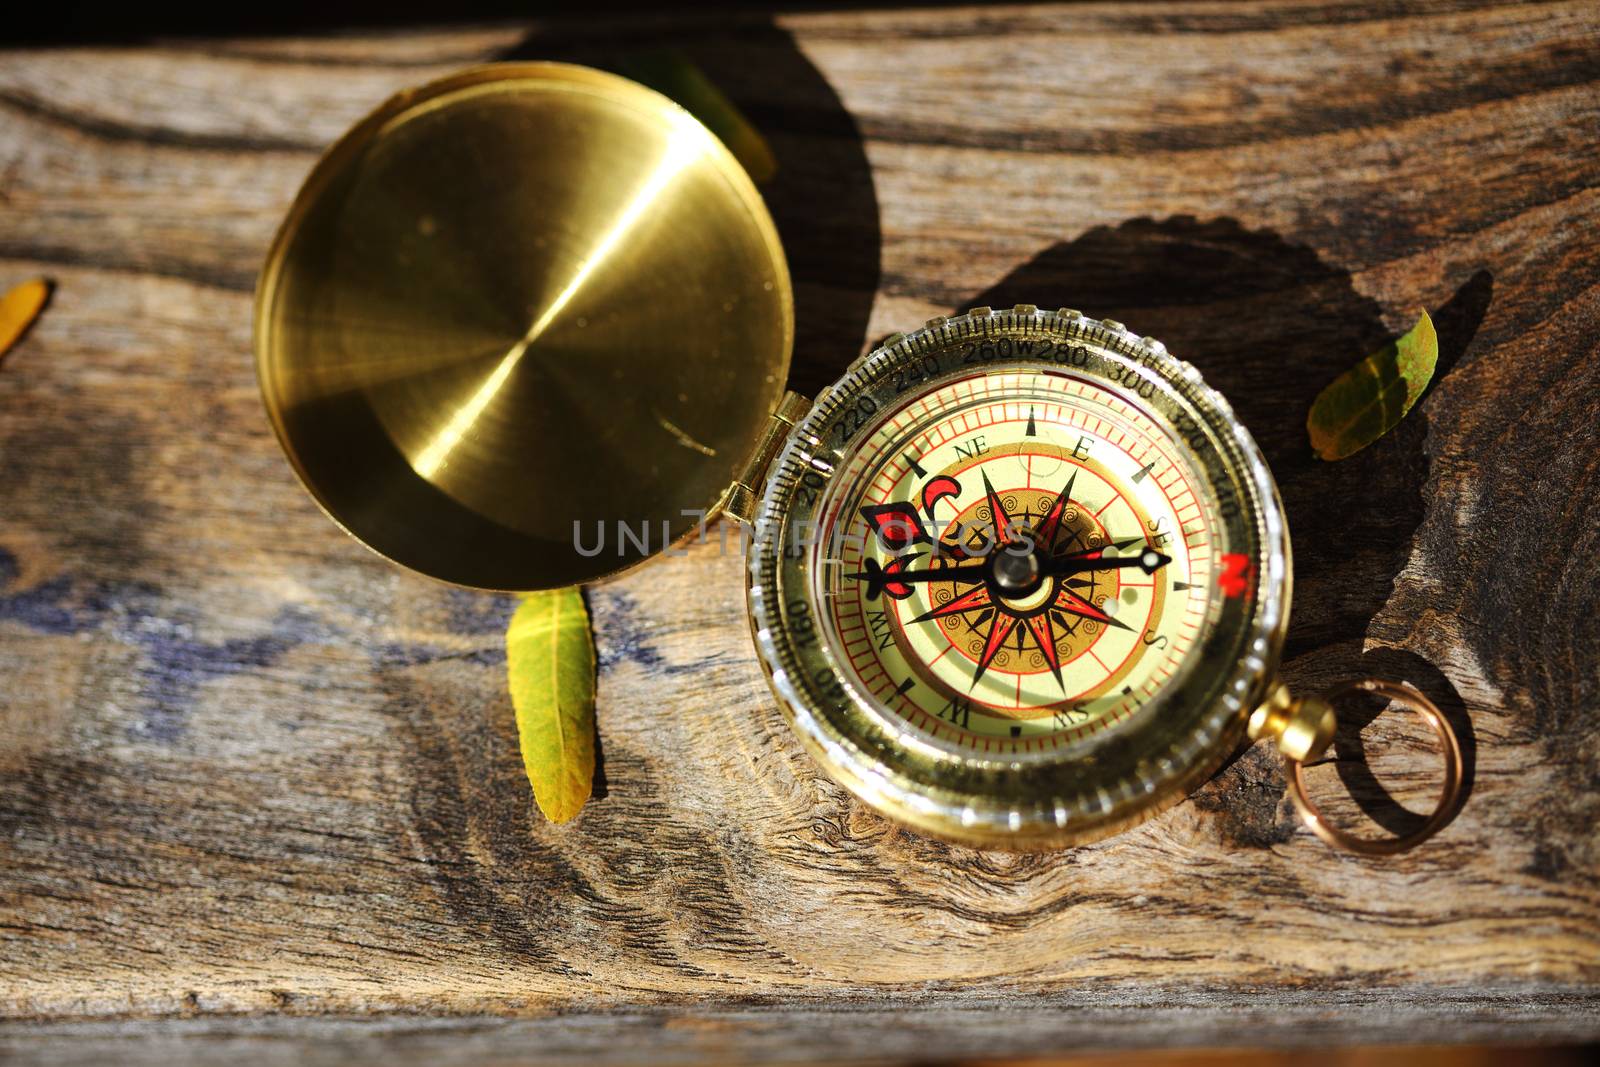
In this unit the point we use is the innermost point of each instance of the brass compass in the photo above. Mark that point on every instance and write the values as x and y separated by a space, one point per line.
1022 578
1018 578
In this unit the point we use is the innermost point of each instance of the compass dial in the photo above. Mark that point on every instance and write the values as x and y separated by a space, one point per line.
1019 578
1016 560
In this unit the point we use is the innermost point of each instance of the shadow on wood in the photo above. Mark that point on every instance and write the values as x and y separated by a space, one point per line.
1269 324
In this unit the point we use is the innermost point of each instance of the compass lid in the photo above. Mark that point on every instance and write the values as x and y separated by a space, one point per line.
523 326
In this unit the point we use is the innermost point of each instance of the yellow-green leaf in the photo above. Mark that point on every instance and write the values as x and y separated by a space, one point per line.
18 309
1369 399
673 75
550 660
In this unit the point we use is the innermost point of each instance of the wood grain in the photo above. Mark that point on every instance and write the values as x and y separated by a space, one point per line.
260 793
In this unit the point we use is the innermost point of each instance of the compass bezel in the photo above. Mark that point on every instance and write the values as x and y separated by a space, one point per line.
1119 778
1130 773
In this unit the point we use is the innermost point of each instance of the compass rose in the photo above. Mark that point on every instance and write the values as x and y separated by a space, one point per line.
1016 581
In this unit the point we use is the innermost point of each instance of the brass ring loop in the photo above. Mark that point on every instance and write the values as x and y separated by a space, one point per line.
1406 696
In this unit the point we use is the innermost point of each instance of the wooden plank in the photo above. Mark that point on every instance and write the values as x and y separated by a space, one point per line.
967 1031
252 774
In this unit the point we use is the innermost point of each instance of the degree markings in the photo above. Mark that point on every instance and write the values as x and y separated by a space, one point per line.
967 421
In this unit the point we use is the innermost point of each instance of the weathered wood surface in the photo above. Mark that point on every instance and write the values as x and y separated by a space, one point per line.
250 773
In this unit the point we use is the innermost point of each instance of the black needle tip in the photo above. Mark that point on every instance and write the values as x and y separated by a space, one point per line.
1152 561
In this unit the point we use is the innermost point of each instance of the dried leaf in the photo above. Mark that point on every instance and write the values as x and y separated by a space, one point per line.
18 309
550 661
1368 400
674 75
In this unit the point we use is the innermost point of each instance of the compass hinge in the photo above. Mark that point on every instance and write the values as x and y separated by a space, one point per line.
745 494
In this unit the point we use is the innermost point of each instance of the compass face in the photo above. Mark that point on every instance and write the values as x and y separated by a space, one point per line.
1019 578
1016 560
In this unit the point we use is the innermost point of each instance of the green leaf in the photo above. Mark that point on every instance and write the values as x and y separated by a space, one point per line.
550 661
1371 398
673 75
